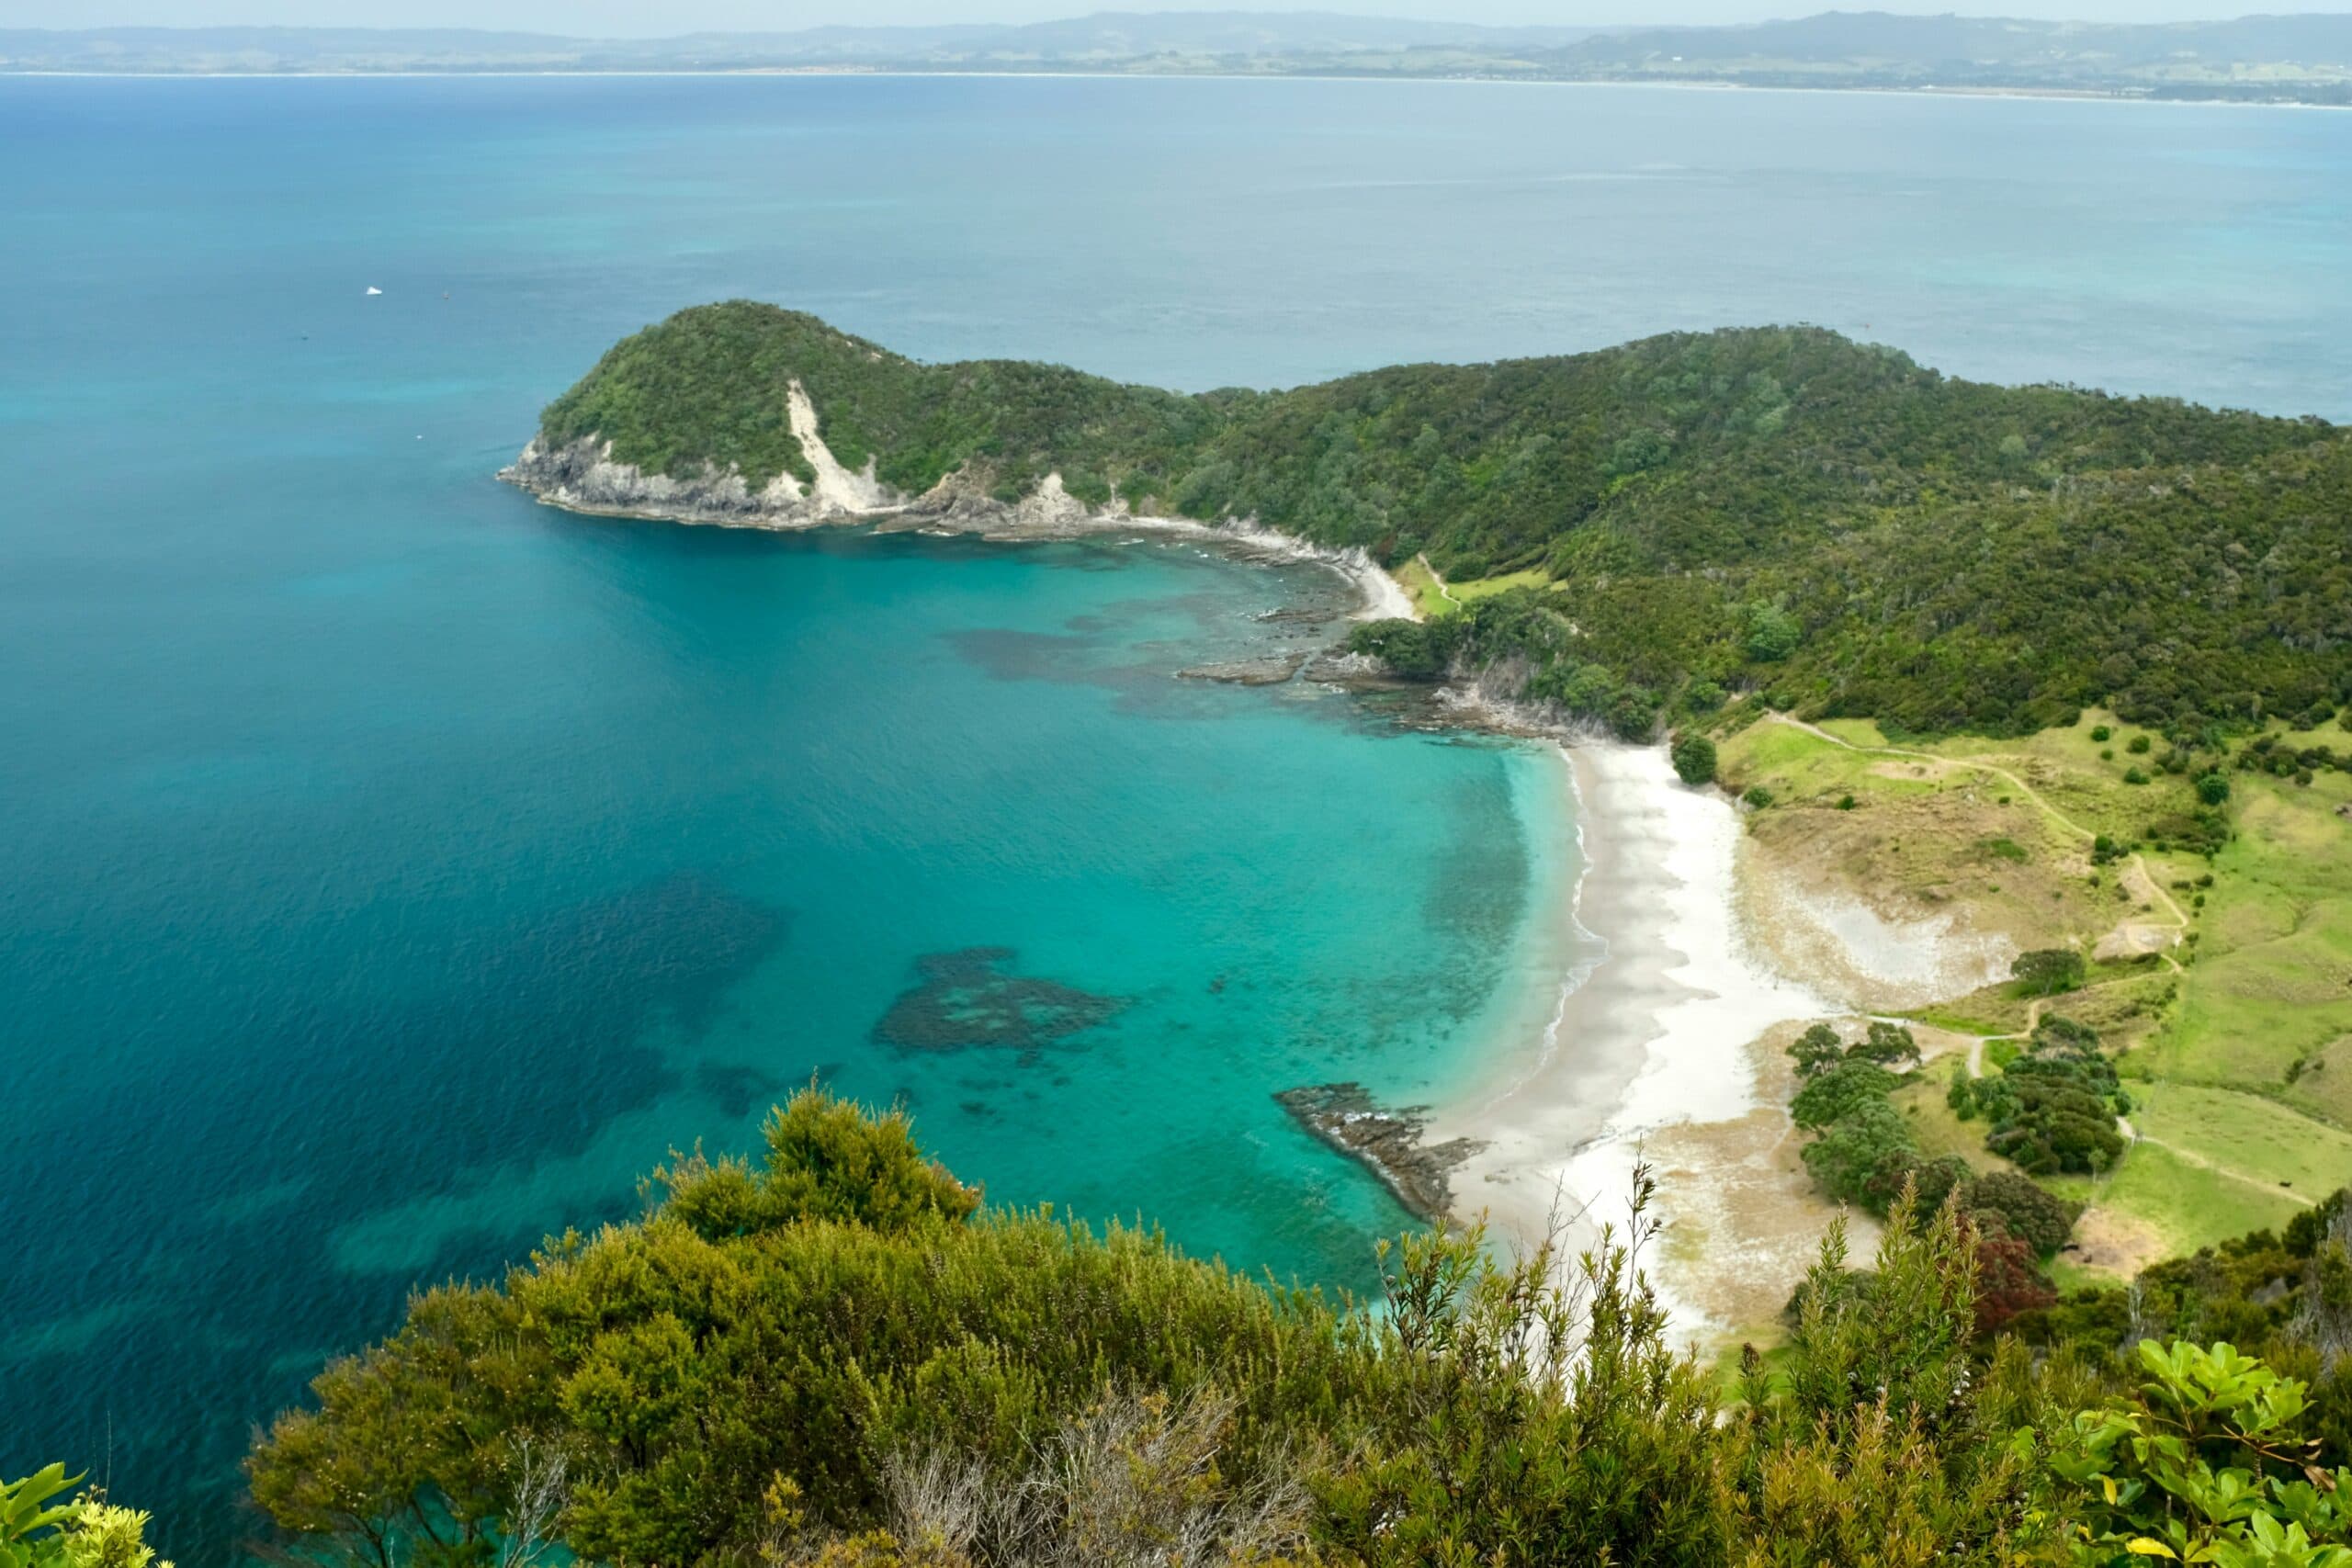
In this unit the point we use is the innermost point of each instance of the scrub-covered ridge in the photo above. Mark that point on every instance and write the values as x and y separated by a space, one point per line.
1664 524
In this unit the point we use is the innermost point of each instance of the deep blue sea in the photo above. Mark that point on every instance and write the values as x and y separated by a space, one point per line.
393 869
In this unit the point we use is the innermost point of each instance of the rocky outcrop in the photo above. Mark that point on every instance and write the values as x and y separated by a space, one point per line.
1345 1116
583 475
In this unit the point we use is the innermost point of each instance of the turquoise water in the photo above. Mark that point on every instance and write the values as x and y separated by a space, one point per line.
394 868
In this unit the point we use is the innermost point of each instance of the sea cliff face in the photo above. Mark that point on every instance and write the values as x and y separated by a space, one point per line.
582 476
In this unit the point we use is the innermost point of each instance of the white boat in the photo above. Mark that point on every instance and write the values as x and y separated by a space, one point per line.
373 289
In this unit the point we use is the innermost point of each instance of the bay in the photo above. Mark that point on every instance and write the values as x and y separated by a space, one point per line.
395 869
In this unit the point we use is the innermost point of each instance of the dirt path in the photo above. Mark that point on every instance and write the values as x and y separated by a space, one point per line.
2136 867
1442 591
2203 1162
2147 889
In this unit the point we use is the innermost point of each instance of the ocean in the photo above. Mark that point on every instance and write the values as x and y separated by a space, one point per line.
396 869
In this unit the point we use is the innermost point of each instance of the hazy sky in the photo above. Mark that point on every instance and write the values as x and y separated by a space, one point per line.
658 17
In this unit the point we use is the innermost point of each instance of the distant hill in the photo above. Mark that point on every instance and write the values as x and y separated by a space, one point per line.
2301 58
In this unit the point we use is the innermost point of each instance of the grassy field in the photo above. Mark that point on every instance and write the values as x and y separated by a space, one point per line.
1930 834
1937 1130
2187 1205
2273 1147
1433 596
2267 1007
2240 1062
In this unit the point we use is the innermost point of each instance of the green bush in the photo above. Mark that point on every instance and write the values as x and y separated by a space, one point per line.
2035 1216
856 1372
2053 1110
2203 1464
2048 971
1694 758
84 1532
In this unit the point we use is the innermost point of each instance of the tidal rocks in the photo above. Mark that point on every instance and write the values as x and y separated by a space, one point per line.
1345 1116
1269 671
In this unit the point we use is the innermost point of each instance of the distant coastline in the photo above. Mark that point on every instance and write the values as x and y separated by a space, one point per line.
2301 59
1680 84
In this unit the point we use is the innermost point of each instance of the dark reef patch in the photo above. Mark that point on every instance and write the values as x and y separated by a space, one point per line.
738 1086
966 999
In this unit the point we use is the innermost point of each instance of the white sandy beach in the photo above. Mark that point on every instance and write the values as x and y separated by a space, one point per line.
1658 1034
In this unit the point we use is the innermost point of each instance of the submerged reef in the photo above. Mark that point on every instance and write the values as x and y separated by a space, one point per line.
966 999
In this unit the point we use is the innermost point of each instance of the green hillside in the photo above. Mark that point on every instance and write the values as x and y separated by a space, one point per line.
1774 510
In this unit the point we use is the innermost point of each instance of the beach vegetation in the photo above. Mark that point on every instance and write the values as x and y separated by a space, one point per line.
1817 1050
2048 971
1840 1093
1693 756
2053 1110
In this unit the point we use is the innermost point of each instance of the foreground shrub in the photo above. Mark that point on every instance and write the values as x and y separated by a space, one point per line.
834 1360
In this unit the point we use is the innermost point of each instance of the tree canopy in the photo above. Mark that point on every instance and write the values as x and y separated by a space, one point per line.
1778 511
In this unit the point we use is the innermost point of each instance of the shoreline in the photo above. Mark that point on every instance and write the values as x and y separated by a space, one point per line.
1655 1035
1645 1023
584 481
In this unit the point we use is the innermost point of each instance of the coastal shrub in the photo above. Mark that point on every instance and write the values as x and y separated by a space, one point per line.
2048 972
1817 1050
1693 756
2053 1108
832 1360
2205 1462
1758 796
2009 1282
2100 733
1837 1092
2138 746
2284 1297
844 1366
2027 1209
1887 1044
1411 648
1848 1152
1844 803
83 1530
1907 1169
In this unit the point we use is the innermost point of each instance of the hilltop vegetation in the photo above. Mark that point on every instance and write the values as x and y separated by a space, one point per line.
1778 511
835 1359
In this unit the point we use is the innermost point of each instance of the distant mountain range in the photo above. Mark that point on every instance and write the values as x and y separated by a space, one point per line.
2298 58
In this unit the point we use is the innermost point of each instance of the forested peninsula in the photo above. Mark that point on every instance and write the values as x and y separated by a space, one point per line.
1777 514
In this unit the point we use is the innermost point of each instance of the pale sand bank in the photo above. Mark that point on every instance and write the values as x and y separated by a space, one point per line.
1658 1037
